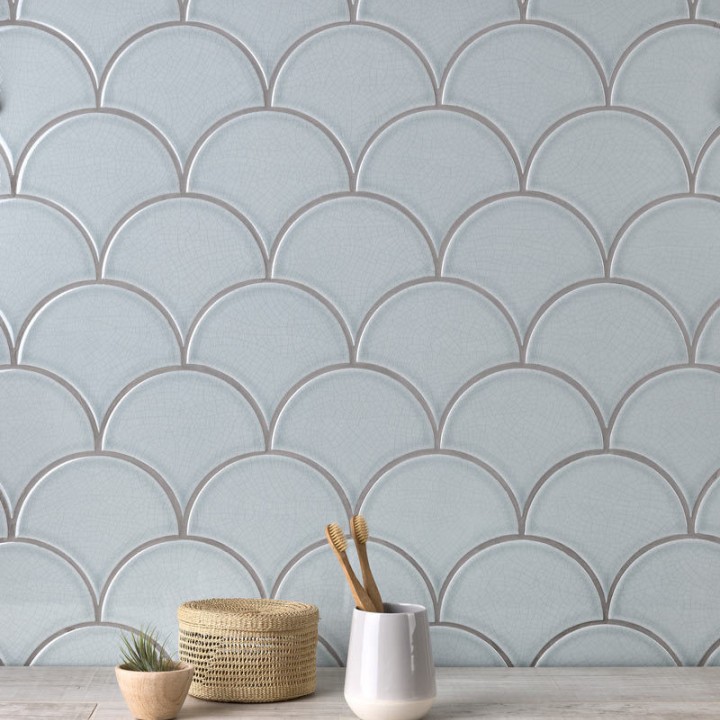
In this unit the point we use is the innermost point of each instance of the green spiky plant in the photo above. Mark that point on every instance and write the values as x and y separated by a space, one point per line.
142 651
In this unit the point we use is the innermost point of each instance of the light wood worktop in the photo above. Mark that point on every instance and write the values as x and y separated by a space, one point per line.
47 693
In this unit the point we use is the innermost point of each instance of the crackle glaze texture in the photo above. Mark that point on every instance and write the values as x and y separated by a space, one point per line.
452 264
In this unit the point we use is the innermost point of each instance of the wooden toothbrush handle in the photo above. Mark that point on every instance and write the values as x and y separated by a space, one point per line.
368 579
362 599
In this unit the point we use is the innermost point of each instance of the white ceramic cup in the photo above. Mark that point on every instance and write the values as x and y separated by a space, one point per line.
390 673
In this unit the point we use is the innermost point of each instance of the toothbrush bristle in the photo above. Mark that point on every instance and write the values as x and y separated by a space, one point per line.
336 537
361 529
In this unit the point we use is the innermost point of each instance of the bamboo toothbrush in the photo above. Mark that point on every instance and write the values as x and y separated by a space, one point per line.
338 543
359 528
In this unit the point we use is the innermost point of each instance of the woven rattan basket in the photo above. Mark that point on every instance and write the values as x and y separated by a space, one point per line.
249 650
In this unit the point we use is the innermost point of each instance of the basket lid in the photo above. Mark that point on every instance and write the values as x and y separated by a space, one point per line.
247 614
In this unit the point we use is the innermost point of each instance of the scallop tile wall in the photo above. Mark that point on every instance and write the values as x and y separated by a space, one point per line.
454 265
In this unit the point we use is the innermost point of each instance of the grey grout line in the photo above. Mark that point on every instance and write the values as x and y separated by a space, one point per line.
700 499
607 623
476 633
330 650
708 653
702 326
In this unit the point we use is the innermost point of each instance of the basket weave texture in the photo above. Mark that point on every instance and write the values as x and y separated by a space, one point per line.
249 650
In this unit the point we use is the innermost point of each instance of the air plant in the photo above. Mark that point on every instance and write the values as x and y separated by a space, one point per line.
142 652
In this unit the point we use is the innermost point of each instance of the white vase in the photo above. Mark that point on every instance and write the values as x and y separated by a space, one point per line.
390 673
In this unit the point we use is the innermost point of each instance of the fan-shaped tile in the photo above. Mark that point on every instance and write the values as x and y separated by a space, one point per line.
268 336
438 335
606 508
498 76
98 28
608 164
333 76
182 79
521 594
40 421
675 419
246 498
353 422
268 164
438 163
708 513
99 338
91 645
521 422
660 588
152 584
708 346
713 659
96 509
184 251
610 26
438 29
652 80
335 248
32 572
453 646
522 249
3 521
31 58
4 346
455 502
673 249
606 645
318 579
4 169
268 27
607 337
708 9
4 12
98 166
708 173
40 251
183 424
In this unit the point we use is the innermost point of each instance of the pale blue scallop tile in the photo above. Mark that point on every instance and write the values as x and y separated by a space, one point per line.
3 521
150 587
91 645
708 343
606 646
438 507
608 27
606 508
708 9
182 79
499 77
183 251
521 422
708 172
670 72
40 421
268 27
607 337
98 28
437 164
183 424
31 58
268 337
98 166
99 338
353 422
521 594
673 249
437 29
5 355
454 647
523 250
96 510
608 164
353 250
333 77
41 250
674 419
243 500
707 519
268 165
438 335
672 590
40 594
